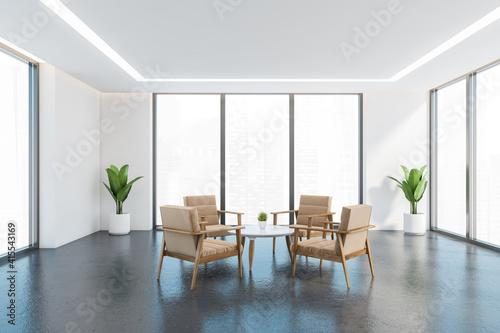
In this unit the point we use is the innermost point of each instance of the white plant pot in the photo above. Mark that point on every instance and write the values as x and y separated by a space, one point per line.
119 224
262 225
414 224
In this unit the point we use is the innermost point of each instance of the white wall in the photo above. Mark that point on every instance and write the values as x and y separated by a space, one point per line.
69 162
126 121
396 131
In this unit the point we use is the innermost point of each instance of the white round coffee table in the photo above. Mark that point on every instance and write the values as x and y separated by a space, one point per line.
253 231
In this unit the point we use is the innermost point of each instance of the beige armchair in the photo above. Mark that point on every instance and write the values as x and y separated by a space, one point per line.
313 211
351 239
207 209
184 239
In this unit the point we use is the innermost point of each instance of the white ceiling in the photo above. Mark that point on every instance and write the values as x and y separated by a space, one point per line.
257 39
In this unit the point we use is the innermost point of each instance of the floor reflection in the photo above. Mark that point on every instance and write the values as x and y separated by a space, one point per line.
108 284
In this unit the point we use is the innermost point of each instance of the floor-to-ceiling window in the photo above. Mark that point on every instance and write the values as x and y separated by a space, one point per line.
451 157
488 155
18 131
327 147
187 147
465 155
257 152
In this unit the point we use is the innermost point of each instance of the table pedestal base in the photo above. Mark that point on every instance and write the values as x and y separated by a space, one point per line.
251 249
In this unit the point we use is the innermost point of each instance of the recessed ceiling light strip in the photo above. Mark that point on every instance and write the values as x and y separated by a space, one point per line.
67 15
458 38
269 80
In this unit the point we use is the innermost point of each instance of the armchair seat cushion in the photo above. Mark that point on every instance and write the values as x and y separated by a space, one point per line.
318 246
209 227
214 246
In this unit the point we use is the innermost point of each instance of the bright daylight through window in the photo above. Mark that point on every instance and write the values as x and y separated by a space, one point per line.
257 154
467 156
188 147
327 146
246 163
15 134
488 155
451 158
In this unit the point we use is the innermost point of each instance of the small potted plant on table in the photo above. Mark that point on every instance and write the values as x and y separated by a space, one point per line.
262 218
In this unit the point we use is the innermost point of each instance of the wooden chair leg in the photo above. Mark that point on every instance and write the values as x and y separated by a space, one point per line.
341 247
205 265
195 272
240 266
294 261
161 257
295 244
345 272
240 247
274 244
288 247
300 238
320 263
369 252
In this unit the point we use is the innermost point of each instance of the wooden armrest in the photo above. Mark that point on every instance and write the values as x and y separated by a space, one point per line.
225 211
225 229
324 214
353 231
298 226
329 222
179 231
310 218
197 233
288 211
202 222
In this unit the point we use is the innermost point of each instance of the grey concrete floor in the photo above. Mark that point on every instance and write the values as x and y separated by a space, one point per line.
102 283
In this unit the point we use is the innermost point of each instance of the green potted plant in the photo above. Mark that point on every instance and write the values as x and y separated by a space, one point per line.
119 188
262 218
413 186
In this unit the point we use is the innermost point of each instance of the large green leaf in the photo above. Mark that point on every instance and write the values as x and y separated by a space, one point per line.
123 175
408 192
414 179
407 173
114 182
114 168
123 194
110 192
419 191
133 181
421 171
424 186
394 179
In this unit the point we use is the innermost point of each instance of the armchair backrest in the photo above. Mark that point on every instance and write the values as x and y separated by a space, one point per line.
206 205
313 204
354 217
181 218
